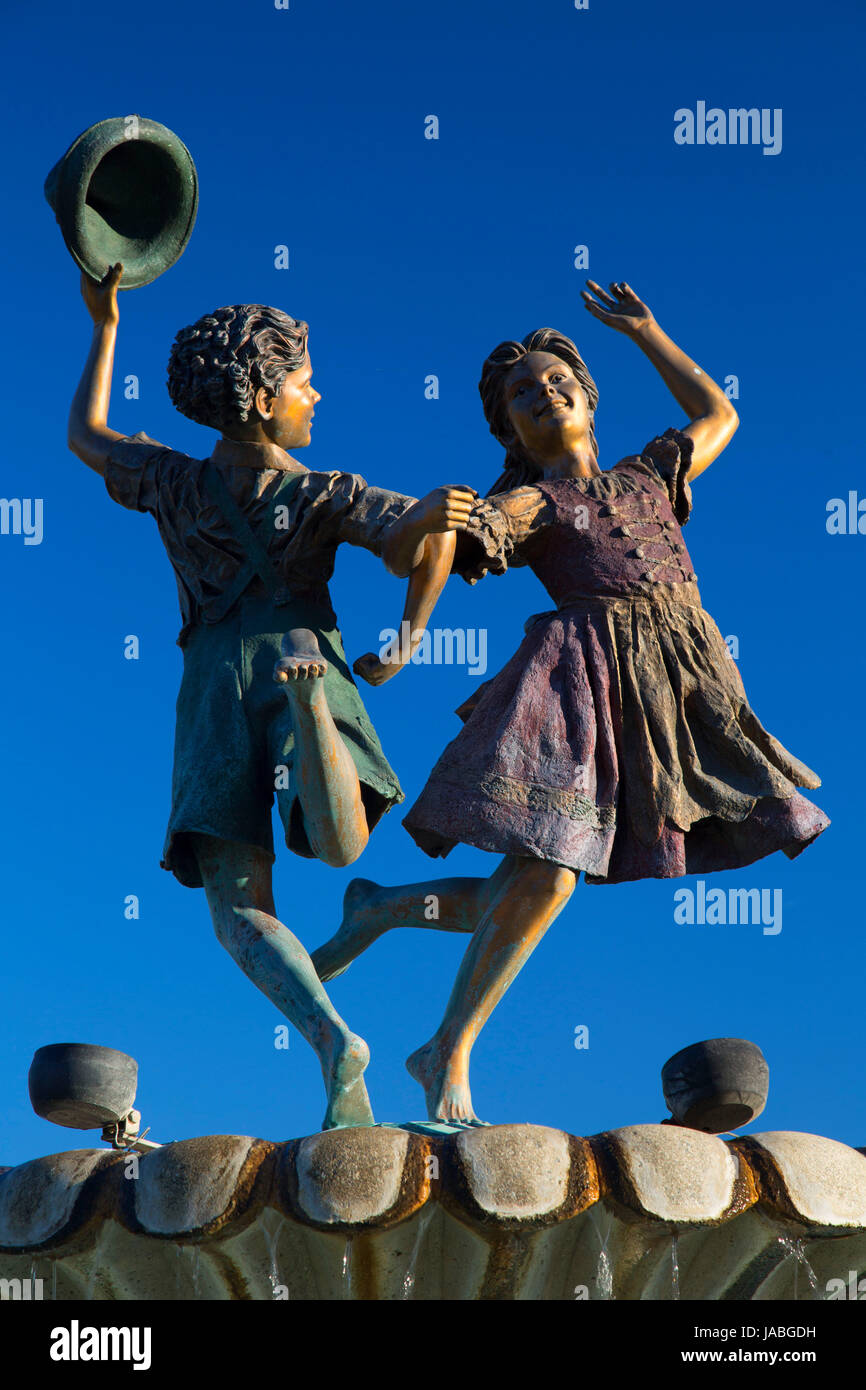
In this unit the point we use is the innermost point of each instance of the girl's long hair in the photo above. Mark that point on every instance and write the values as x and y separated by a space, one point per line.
519 468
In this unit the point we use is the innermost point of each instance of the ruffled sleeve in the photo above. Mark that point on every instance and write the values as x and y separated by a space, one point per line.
669 456
498 534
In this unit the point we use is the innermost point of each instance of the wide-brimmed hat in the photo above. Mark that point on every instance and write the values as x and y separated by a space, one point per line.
125 190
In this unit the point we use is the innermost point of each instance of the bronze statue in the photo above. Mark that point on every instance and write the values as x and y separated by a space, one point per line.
126 191
267 703
618 739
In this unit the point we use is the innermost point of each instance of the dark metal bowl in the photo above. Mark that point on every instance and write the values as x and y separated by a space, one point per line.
81 1085
717 1085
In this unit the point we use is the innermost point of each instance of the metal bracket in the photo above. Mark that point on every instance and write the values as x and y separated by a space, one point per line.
125 1135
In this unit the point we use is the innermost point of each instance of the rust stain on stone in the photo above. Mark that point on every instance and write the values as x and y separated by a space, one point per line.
767 1180
510 1254
364 1267
746 1187
232 1278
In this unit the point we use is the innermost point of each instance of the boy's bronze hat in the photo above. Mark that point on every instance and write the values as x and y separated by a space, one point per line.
125 190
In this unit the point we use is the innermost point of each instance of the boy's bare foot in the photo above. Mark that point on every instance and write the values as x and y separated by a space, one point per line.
301 665
356 932
446 1086
343 1070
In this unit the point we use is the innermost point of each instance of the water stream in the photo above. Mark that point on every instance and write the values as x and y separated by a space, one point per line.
346 1275
675 1266
424 1219
604 1268
795 1251
272 1224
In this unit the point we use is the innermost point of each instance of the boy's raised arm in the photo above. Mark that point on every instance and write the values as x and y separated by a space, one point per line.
89 436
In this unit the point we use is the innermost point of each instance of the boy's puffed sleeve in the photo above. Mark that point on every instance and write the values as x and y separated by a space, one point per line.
669 457
498 532
362 515
132 472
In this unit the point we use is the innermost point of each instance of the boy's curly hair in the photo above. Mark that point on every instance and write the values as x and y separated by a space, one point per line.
219 363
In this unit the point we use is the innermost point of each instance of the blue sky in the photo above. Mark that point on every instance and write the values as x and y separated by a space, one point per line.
410 257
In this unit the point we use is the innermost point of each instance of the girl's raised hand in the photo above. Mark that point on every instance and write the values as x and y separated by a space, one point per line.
620 309
100 296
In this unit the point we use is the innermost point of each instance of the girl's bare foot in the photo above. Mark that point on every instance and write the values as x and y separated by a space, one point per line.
446 1086
301 665
356 932
343 1068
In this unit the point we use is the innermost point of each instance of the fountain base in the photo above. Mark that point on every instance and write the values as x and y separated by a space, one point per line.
649 1212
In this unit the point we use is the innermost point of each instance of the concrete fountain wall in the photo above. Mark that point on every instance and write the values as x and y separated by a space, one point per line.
509 1212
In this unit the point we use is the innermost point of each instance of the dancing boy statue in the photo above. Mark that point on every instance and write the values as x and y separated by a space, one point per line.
267 702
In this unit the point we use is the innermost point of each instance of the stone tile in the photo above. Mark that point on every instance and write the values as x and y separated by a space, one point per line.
37 1198
184 1186
825 1180
351 1175
516 1171
676 1174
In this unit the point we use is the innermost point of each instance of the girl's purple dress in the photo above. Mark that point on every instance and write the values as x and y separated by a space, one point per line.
618 739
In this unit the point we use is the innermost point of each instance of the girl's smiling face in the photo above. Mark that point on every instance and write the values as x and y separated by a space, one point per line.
546 406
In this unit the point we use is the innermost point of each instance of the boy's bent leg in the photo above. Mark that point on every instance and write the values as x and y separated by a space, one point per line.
369 910
327 779
237 881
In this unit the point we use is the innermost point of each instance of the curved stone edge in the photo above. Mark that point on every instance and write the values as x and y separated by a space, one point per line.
236 1172
814 1182
672 1175
65 1193
377 1178
516 1177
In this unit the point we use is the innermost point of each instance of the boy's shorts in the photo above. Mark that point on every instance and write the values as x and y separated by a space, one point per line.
234 740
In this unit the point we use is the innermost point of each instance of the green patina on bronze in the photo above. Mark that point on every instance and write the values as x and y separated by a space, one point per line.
267 704
230 705
125 190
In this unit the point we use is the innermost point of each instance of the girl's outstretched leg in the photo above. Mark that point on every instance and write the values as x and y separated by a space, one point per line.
237 880
532 896
369 910
328 786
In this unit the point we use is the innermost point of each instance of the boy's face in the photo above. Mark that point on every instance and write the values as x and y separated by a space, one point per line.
286 419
